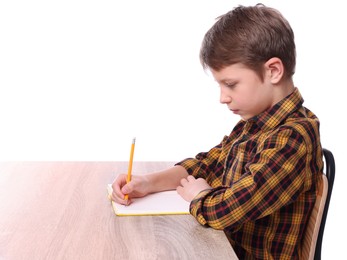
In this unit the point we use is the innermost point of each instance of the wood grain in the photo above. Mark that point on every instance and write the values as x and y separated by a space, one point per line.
308 246
60 210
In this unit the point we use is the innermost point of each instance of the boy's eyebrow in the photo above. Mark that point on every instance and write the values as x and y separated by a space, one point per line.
224 80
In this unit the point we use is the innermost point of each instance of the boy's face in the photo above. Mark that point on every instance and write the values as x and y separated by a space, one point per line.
243 91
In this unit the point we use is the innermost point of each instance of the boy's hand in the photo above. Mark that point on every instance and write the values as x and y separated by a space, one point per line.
190 187
137 187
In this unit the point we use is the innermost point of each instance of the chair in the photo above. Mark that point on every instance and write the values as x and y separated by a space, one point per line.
330 174
312 243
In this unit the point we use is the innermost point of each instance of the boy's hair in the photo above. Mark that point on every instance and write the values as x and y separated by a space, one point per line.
251 36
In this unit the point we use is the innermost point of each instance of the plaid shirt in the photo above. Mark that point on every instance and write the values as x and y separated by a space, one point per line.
264 177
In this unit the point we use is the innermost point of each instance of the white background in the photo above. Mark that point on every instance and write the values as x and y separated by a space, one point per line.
80 79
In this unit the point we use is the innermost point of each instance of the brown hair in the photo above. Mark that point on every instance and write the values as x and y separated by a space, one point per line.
251 36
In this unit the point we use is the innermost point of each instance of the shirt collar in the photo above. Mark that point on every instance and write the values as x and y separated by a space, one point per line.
280 111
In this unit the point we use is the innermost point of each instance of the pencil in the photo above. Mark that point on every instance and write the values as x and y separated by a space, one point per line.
130 165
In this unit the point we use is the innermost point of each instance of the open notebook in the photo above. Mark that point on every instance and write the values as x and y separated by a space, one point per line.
161 203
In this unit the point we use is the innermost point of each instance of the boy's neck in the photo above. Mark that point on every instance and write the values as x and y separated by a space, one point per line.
285 88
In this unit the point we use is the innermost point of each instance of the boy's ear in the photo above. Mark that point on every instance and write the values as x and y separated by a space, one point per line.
274 70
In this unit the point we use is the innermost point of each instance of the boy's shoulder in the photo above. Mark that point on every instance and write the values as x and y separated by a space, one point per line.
304 123
303 116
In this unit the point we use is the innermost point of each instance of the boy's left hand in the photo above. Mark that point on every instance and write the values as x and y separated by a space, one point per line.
190 187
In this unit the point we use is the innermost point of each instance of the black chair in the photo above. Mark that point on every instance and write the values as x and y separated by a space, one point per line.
330 174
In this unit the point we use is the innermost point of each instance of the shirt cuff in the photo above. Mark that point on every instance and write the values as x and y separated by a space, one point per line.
197 204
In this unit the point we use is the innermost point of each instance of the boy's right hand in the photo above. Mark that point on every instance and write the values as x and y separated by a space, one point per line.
136 188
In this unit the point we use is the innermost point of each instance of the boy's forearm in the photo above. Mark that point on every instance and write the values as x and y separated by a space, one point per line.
167 179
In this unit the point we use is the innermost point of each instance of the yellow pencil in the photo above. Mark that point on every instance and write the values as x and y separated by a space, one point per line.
130 165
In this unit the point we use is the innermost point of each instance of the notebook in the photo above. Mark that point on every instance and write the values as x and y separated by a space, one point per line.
161 203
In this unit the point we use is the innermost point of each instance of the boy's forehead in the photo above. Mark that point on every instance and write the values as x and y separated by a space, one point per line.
231 72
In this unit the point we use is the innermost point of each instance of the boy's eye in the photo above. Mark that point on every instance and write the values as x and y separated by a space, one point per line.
230 85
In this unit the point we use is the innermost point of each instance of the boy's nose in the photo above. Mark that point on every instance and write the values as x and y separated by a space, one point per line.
224 98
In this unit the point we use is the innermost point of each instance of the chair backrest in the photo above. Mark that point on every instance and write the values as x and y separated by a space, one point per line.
312 243
314 222
330 173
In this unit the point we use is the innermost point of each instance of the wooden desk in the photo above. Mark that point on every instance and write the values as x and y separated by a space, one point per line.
60 210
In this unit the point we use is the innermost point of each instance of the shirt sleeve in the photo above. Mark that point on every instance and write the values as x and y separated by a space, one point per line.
208 165
274 177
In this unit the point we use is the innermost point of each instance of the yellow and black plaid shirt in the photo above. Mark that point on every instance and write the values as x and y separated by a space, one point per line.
264 177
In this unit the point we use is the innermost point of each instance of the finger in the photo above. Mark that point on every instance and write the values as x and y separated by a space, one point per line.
128 202
118 184
119 200
190 178
127 188
179 190
183 181
120 189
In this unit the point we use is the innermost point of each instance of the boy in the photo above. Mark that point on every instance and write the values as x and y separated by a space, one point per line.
259 184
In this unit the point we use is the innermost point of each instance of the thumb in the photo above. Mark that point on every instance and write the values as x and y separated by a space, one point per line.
126 189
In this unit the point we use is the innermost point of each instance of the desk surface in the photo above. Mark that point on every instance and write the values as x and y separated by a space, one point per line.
60 210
